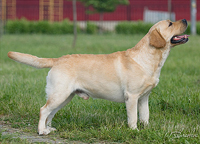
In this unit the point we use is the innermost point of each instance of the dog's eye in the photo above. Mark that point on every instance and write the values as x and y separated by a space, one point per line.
170 24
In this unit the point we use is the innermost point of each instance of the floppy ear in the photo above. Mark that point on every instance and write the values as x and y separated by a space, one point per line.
156 39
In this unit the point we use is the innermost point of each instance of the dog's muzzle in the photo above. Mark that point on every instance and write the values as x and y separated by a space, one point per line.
180 39
184 21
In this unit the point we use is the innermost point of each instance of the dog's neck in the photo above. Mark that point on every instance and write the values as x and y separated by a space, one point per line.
151 59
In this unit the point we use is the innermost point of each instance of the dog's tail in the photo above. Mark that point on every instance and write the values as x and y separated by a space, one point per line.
32 60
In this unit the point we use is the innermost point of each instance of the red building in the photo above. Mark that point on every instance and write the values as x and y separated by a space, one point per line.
56 10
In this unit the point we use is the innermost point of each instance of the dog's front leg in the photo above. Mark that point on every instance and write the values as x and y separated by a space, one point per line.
131 107
144 109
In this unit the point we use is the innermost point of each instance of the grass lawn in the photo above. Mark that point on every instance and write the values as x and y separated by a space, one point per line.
174 103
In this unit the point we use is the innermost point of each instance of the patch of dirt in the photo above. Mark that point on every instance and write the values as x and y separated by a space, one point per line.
6 129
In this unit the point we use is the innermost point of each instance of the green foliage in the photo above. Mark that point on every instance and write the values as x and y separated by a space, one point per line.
188 31
16 26
198 28
101 6
32 25
67 27
56 28
140 27
132 27
9 138
91 28
41 27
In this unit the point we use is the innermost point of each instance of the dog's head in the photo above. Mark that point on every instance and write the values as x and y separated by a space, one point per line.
167 33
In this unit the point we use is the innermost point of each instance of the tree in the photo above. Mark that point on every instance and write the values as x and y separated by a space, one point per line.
74 23
102 6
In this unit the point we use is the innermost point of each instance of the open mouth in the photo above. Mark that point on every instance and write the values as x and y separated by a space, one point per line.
179 39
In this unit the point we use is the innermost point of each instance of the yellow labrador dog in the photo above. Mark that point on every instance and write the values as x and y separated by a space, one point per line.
126 76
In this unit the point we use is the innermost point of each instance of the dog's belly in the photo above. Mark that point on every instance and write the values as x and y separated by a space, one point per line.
111 93
111 96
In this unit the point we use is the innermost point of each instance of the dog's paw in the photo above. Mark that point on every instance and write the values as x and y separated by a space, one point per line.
134 127
44 132
51 128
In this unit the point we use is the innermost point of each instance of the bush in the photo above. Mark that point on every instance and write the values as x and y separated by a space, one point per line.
42 27
91 28
143 28
55 28
32 26
198 28
17 26
132 27
123 28
67 27
188 31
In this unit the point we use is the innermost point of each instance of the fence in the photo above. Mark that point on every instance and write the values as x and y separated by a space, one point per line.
57 10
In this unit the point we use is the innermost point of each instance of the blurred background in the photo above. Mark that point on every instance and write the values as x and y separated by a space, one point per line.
103 15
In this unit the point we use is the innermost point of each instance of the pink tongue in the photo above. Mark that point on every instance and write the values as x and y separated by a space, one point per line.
180 37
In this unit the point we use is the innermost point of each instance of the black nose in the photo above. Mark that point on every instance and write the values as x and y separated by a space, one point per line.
184 21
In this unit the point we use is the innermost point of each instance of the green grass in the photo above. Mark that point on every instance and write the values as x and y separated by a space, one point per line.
11 139
174 103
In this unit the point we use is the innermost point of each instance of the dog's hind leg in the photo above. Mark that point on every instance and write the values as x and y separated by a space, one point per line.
51 115
54 103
